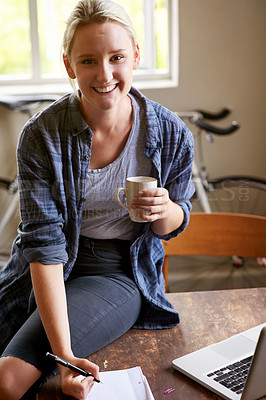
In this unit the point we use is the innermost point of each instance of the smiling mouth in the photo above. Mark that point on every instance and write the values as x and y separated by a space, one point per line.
105 89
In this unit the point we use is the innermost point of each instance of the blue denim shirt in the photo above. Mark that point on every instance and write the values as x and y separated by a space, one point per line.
53 159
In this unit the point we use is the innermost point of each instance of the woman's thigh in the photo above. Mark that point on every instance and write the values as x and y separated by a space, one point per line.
100 308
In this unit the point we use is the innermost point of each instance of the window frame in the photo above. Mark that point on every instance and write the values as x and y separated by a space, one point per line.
143 78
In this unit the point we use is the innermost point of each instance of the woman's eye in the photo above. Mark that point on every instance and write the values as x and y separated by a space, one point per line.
117 58
88 61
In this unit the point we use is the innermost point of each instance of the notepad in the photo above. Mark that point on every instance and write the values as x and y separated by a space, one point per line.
128 384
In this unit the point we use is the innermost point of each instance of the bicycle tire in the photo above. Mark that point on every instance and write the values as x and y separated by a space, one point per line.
237 194
197 273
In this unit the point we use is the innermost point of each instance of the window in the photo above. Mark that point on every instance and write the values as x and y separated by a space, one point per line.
32 30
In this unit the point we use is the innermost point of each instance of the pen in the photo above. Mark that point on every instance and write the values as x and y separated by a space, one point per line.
70 366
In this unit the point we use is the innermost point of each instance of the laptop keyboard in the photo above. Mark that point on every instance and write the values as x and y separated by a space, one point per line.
233 376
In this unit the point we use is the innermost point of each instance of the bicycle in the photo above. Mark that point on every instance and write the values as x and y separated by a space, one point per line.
9 197
239 194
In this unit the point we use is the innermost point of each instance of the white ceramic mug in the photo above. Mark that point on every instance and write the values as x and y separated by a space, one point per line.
134 184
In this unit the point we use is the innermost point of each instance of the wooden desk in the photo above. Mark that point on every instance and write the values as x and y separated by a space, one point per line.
206 317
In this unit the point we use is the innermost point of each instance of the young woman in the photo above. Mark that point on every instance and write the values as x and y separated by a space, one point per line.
81 272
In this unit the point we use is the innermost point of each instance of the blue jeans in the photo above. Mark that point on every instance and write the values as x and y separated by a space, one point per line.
103 303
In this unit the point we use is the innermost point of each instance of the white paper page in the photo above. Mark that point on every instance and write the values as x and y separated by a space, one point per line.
129 384
149 395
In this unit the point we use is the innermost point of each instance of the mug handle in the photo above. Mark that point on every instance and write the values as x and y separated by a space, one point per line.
118 190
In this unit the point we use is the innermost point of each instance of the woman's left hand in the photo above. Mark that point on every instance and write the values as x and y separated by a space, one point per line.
155 206
151 204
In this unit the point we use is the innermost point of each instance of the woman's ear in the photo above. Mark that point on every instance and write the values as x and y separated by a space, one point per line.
68 67
136 57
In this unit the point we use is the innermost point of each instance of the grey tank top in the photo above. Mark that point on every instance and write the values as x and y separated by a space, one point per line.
103 217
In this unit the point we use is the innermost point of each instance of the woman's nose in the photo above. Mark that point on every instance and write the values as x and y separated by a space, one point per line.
104 73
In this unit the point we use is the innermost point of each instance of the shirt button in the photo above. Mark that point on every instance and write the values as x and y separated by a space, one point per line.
87 157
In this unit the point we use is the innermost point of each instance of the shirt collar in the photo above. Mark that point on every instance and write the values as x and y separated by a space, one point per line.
154 132
77 121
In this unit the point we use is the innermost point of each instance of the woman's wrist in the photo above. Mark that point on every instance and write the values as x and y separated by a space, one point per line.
171 220
64 353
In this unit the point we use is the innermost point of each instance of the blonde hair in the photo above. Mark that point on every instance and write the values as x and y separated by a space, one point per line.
96 11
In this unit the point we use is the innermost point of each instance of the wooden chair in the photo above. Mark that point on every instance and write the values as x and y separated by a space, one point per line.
219 234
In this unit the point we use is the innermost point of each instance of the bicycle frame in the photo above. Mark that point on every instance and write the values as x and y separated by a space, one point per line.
197 172
200 188
248 194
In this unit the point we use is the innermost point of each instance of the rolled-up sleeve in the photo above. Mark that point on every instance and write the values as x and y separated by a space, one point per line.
41 229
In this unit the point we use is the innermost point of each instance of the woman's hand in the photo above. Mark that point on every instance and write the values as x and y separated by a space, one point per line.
74 386
151 204
154 205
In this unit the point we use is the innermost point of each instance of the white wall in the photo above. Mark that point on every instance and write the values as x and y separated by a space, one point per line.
223 63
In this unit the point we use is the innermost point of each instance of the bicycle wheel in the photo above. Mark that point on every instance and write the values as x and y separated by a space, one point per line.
197 273
238 194
9 219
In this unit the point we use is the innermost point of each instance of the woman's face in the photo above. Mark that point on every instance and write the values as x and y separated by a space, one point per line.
102 60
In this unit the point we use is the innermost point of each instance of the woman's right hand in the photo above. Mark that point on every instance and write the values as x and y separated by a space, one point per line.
74 386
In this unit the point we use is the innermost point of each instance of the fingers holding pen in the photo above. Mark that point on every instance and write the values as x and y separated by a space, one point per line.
73 384
90 367
76 386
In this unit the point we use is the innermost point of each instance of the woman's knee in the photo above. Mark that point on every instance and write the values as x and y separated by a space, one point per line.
16 377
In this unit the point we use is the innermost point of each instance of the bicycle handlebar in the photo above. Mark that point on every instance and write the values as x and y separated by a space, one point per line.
214 116
214 129
19 103
197 118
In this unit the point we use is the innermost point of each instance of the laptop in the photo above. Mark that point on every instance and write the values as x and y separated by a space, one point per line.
234 368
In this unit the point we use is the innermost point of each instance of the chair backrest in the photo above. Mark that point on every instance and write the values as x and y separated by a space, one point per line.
219 234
